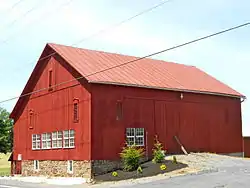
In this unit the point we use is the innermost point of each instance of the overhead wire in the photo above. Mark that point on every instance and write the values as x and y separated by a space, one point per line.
34 21
106 29
128 62
21 17
15 4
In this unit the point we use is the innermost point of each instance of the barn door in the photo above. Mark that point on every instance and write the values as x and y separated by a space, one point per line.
167 124
139 113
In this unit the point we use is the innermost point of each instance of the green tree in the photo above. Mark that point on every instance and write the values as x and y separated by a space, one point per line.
6 133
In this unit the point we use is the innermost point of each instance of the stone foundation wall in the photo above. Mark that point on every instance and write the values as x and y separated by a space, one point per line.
104 166
57 168
85 169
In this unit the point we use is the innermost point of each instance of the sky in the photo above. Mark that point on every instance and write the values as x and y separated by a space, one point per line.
27 27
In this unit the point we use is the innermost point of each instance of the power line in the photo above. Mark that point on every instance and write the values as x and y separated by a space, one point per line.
35 21
128 62
106 29
21 17
15 4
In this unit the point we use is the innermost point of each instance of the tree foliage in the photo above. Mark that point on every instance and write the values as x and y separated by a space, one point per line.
6 133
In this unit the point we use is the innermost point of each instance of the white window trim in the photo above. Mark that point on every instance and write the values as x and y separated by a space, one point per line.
68 138
136 136
68 167
46 140
36 161
37 141
56 139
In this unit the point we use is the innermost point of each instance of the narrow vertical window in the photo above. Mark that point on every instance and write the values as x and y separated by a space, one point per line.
118 110
76 110
70 167
36 165
50 79
31 119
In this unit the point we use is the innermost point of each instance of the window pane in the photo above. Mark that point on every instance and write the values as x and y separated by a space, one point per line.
72 142
130 132
48 144
38 137
139 141
54 144
139 131
38 145
59 143
34 145
130 140
66 143
59 134
72 133
33 137
54 135
43 144
48 136
44 136
65 134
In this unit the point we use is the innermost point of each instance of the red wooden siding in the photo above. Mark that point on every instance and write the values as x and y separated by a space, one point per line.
246 146
53 111
202 122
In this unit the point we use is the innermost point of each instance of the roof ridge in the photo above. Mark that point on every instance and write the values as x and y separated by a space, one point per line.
120 54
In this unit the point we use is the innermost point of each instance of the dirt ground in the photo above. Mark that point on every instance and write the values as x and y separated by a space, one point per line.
148 169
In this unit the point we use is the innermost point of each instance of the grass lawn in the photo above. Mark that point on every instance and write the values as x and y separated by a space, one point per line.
4 164
148 169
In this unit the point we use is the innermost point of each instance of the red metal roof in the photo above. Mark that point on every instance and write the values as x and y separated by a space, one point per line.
143 73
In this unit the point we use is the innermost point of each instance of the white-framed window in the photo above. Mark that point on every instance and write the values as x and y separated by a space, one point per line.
46 140
70 167
135 136
57 139
69 139
36 165
36 141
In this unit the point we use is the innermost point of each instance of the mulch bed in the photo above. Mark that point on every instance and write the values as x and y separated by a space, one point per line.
149 169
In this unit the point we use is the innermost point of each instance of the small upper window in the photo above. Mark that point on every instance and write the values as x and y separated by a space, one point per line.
76 110
50 79
31 118
118 110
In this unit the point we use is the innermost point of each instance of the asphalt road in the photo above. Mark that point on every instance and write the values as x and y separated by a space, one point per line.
227 173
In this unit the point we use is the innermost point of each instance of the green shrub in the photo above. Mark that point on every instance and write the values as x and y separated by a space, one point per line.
174 160
158 152
139 170
131 156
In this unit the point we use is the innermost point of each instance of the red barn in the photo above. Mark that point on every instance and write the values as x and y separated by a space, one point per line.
84 105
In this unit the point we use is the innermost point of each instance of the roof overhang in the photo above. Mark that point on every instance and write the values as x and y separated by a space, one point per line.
169 89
